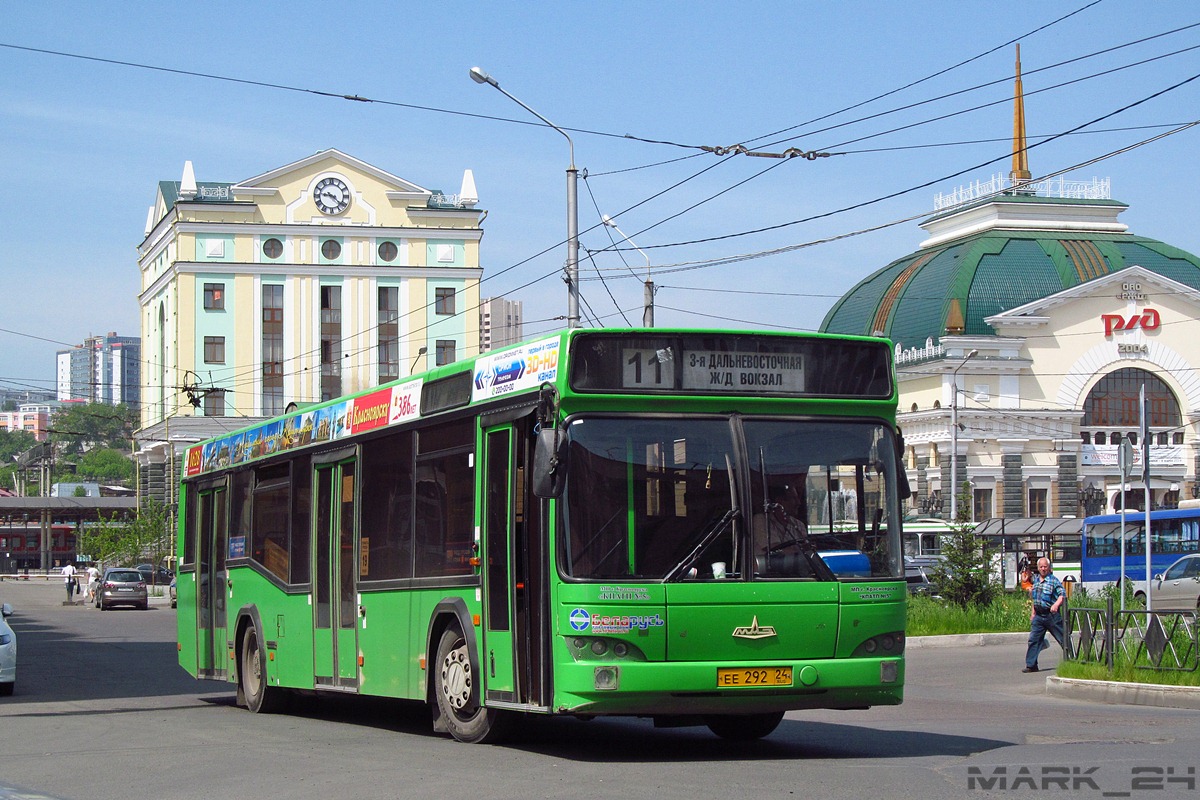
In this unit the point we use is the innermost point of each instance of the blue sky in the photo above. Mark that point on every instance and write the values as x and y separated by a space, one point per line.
84 143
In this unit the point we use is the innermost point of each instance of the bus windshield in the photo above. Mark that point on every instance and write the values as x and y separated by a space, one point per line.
729 498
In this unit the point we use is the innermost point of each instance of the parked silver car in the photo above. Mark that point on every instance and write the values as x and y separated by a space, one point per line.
916 577
8 653
122 586
1178 587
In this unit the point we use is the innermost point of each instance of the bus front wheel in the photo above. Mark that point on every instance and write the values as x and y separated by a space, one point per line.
743 727
457 693
260 698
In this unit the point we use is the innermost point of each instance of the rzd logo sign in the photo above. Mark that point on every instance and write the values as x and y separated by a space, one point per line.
1148 320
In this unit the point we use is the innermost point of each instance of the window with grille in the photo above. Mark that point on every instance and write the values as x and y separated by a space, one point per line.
1037 502
214 349
389 333
272 349
331 342
214 297
445 353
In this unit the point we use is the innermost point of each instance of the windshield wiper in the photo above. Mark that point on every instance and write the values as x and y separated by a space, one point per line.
707 539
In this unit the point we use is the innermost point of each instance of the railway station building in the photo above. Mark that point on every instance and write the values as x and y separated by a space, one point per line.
1027 327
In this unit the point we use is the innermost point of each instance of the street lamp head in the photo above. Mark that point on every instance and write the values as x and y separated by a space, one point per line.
479 76
572 269
607 220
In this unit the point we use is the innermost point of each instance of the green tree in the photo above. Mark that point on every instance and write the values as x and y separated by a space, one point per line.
12 443
108 541
152 528
145 537
105 464
964 575
78 428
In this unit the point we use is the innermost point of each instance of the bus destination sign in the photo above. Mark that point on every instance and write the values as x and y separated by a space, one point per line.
713 371
717 370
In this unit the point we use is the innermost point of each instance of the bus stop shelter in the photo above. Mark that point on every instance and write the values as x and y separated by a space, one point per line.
1057 538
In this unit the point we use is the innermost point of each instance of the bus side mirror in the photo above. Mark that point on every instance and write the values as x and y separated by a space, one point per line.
549 471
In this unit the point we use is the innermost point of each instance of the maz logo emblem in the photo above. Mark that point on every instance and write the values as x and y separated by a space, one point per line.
755 631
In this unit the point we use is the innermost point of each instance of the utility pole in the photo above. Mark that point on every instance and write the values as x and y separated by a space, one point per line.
954 437
481 77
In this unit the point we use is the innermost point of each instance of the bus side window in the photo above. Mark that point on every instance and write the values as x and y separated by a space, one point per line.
386 526
430 529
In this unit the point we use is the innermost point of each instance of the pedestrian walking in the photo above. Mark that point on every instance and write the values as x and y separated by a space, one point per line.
68 573
93 582
1048 596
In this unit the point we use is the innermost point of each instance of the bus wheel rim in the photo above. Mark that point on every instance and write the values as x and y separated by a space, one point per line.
252 667
456 678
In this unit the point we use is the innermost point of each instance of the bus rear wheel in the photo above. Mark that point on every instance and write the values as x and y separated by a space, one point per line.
743 727
260 698
457 693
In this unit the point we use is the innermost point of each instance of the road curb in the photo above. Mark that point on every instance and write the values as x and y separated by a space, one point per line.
1129 694
1109 692
966 640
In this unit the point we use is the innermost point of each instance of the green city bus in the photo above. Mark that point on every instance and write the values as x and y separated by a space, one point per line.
579 525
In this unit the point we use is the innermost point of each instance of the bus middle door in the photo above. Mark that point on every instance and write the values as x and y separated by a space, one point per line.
335 606
499 654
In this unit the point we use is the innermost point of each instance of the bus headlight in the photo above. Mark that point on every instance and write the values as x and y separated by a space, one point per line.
596 648
882 644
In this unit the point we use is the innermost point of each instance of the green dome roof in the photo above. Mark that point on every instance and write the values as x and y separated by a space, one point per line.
952 285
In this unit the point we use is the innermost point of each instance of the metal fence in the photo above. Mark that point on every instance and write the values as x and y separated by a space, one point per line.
1157 640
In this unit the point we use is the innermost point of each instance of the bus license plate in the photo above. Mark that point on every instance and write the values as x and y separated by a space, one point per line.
737 677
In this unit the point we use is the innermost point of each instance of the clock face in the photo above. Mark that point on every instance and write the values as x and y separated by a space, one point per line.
331 195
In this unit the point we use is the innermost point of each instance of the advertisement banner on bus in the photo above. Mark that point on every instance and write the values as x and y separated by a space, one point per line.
376 409
194 461
524 367
406 402
371 411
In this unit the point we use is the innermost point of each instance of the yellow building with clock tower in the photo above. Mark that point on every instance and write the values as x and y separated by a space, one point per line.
318 278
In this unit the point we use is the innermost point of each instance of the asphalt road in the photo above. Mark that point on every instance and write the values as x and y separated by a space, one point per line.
102 711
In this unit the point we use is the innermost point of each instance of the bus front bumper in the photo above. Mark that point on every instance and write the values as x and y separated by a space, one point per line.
652 688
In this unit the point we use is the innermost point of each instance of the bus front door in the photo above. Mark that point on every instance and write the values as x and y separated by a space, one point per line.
210 591
513 651
335 607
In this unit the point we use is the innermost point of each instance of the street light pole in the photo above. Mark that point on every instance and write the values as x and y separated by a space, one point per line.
954 436
648 300
479 76
420 352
